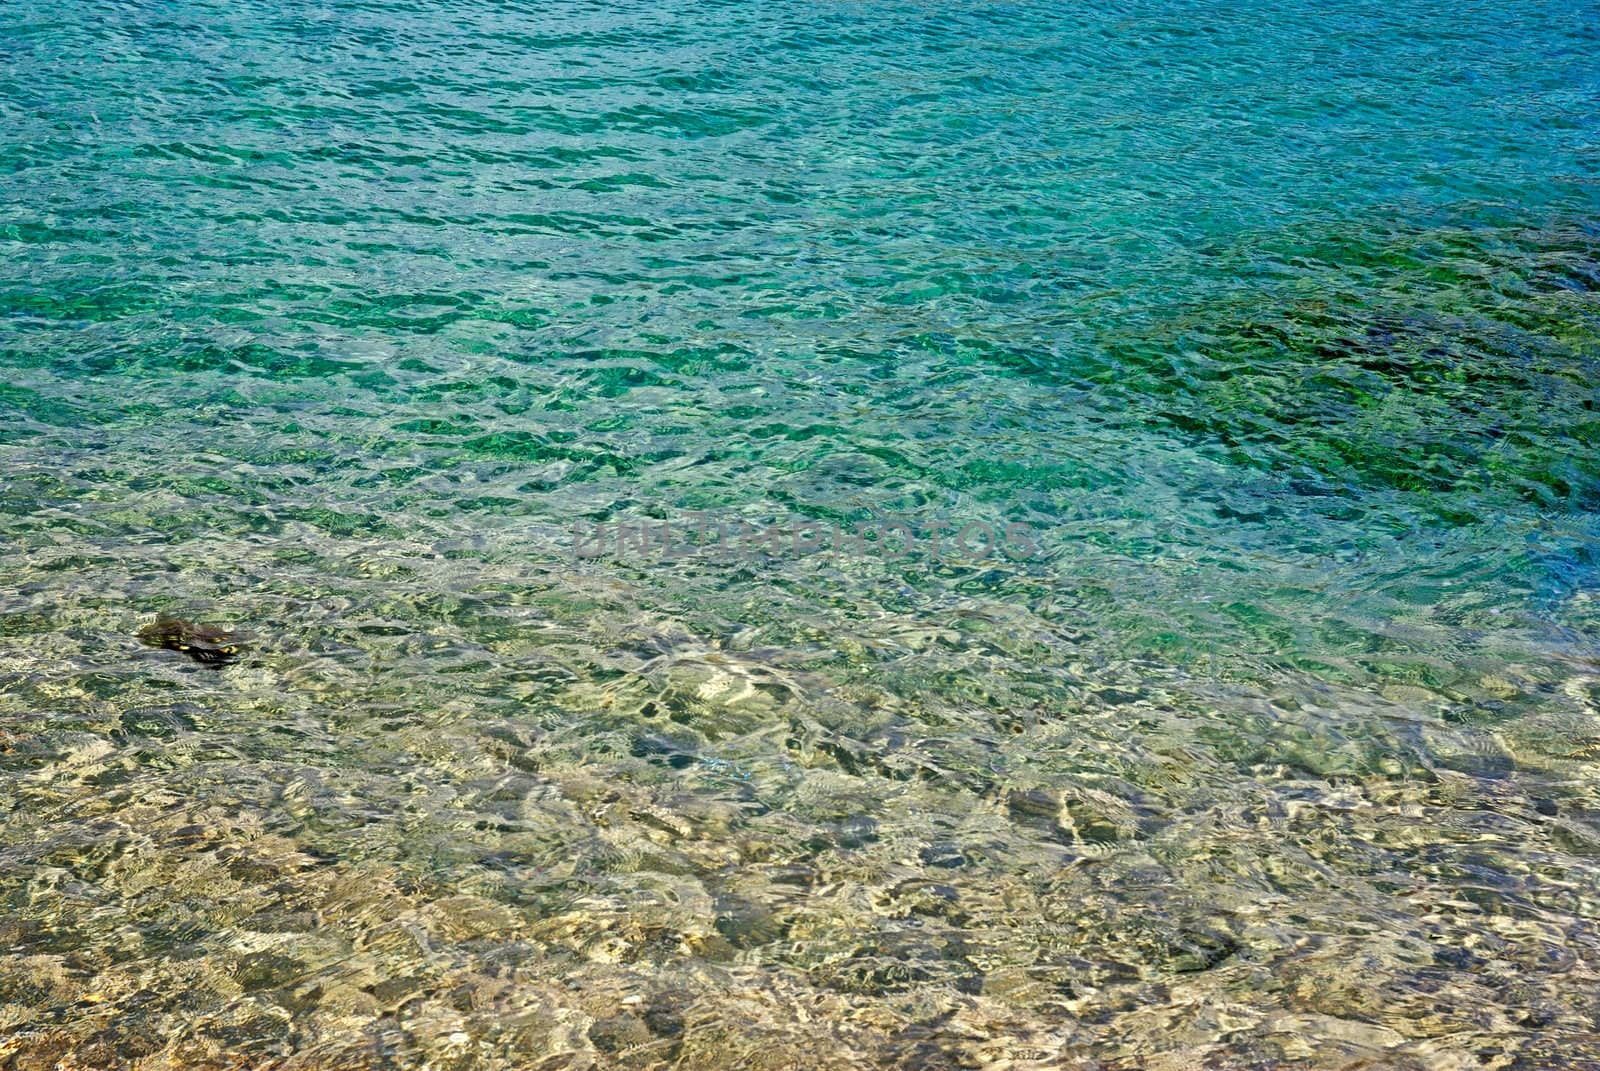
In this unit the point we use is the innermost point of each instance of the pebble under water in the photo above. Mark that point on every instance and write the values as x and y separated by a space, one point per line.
1264 338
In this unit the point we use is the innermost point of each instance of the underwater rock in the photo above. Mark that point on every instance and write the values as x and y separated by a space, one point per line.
207 644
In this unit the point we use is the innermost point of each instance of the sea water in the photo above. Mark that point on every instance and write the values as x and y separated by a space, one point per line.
1096 511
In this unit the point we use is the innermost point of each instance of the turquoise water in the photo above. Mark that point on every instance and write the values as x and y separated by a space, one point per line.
1268 334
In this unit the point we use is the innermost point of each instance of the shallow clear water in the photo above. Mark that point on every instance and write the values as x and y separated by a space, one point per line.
1267 333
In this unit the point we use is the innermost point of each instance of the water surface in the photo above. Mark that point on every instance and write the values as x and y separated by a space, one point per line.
1273 326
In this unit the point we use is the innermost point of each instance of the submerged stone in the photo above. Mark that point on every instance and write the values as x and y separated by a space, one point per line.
204 643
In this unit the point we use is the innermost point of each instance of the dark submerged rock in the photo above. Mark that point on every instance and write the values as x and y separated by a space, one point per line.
207 644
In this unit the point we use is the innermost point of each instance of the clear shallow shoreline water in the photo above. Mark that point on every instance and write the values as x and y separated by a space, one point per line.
1276 325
